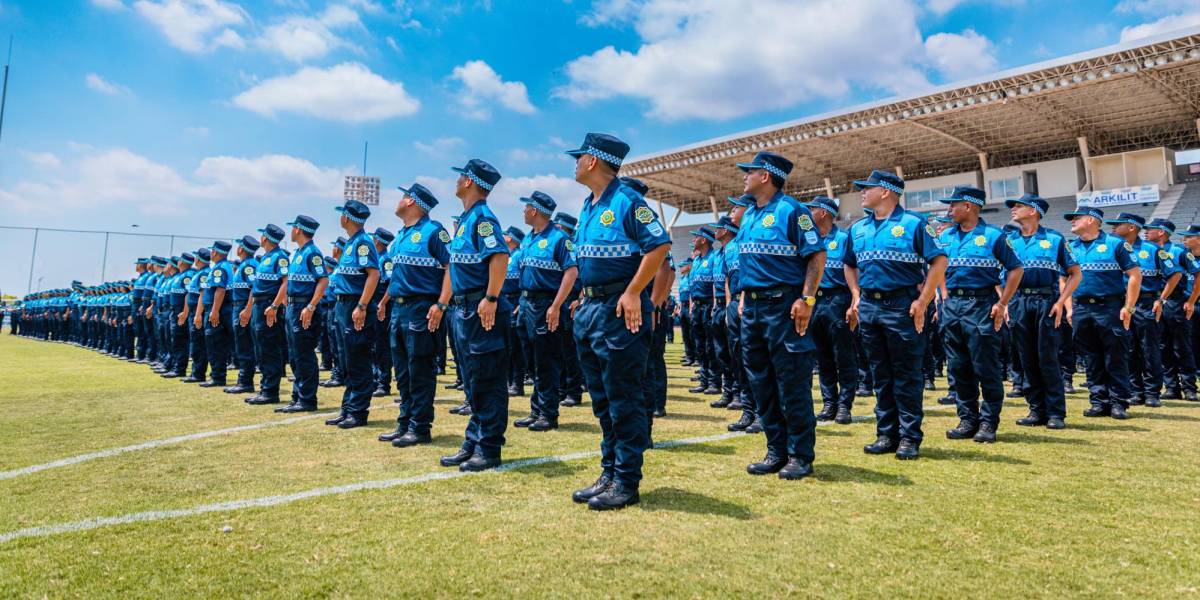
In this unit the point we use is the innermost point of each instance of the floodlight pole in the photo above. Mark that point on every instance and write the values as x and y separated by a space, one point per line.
104 260
32 256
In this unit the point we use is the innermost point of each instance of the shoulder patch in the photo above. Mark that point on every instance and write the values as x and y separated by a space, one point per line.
283 263
248 270
931 231
316 261
485 229
570 246
1128 247
643 215
810 237
363 250
444 236
1163 254
805 222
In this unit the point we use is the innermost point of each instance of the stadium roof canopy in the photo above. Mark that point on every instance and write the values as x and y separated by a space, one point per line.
1137 95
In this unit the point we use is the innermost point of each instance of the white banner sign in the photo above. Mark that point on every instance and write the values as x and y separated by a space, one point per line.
1118 197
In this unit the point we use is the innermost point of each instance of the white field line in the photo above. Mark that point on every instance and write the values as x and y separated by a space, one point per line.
266 501
179 439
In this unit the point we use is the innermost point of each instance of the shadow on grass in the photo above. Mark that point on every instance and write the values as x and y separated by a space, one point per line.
829 431
1159 416
447 441
556 469
699 449
1095 426
581 427
967 455
833 473
677 500
674 416
685 398
1033 438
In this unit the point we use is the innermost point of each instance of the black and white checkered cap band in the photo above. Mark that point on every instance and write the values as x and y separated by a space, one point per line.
425 207
303 228
539 207
353 218
887 186
774 170
604 156
479 182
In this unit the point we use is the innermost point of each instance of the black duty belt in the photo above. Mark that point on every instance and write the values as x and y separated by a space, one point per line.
702 301
1149 296
888 294
468 298
972 292
263 297
299 299
603 291
1100 299
774 293
1038 291
415 298
832 292
537 294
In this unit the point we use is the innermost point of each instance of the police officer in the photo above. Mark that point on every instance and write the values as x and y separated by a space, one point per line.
1160 276
1179 366
973 315
218 322
1191 266
837 362
718 332
382 350
268 293
419 293
1038 310
139 308
701 310
239 299
547 274
731 223
177 315
571 387
516 339
357 275
781 259
478 261
684 312
327 309
307 278
196 346
884 267
1104 304
621 247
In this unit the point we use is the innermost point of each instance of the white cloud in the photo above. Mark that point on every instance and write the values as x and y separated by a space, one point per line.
99 180
941 7
300 38
195 26
391 42
611 12
961 55
440 148
1162 25
689 65
348 92
109 4
44 160
197 131
1155 7
104 86
483 87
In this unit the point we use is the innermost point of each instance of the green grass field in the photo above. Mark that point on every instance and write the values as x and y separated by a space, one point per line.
1103 508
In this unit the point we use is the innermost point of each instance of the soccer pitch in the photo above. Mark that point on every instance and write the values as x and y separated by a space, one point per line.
116 483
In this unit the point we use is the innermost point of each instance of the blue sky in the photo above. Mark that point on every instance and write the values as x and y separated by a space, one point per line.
213 117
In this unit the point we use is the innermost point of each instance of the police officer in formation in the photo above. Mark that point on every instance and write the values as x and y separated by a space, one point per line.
973 314
771 288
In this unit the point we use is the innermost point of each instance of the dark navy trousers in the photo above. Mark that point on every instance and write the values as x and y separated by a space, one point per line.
303 350
218 339
1146 368
781 368
270 346
1038 344
1179 365
358 366
973 356
894 351
482 358
413 352
837 361
1106 346
546 352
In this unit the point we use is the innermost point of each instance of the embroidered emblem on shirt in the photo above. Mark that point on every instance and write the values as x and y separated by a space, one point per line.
485 229
768 221
543 243
931 231
1045 244
644 215
316 261
898 231
444 236
416 237
980 240
248 271
1102 248
363 251
607 217
833 244
283 263
804 222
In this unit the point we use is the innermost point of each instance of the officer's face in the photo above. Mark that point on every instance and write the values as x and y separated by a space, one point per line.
1022 211
583 164
755 181
1157 236
1082 225
872 197
530 214
735 215
337 252
296 234
1124 229
1192 243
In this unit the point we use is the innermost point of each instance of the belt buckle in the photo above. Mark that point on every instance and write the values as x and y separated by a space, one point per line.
877 295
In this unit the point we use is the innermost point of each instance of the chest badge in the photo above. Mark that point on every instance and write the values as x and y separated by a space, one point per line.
1102 248
980 240
898 231
768 221
607 217
416 237
704 264
1044 244
833 244
543 243
1143 255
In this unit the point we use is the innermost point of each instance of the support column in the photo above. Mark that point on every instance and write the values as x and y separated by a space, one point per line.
1085 155
829 188
661 213
716 213
899 171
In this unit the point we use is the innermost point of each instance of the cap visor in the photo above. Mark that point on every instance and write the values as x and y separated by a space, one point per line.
575 153
404 190
748 166
862 183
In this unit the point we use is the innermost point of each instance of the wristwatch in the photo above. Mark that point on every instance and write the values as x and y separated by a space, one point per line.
491 298
442 306
809 300
362 306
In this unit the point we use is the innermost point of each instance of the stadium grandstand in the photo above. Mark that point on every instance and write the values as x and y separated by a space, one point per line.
1100 128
